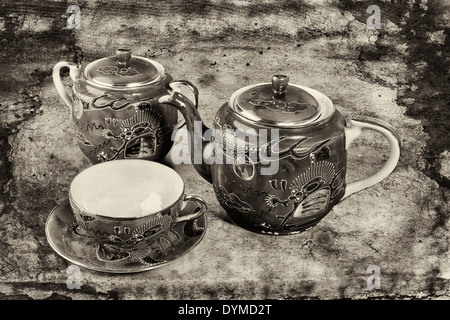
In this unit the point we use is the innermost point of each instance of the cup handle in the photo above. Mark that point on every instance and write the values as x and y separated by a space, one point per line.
197 212
75 72
353 129
175 85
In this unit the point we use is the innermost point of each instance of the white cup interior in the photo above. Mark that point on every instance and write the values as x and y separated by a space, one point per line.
126 188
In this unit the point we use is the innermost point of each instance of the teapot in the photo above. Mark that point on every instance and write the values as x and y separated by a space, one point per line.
277 154
115 109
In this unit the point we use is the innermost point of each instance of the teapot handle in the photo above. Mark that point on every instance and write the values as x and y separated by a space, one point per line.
185 83
75 71
352 131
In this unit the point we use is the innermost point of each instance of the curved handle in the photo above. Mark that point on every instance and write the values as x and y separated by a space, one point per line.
75 71
352 132
175 86
195 213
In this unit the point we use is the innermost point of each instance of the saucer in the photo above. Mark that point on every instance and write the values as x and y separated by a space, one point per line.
68 239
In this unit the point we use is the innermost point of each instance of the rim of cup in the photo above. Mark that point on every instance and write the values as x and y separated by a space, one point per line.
86 176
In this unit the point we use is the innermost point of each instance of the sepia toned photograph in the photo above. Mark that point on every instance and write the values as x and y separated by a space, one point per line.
243 152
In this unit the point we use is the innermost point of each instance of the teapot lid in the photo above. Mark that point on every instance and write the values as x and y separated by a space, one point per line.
281 104
124 71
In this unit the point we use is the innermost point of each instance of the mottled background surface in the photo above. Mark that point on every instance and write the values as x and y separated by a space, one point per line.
398 74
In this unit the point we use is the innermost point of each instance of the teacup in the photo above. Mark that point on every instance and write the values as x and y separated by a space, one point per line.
129 204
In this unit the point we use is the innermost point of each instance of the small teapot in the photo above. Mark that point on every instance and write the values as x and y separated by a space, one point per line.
277 154
115 109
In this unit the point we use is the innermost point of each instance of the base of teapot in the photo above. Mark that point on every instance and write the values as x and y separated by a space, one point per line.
264 229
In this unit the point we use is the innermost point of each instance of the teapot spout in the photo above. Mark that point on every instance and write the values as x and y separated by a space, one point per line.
195 126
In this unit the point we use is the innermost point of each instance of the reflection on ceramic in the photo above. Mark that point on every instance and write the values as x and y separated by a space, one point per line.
70 241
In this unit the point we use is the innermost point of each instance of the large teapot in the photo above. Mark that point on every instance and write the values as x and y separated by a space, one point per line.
115 109
277 154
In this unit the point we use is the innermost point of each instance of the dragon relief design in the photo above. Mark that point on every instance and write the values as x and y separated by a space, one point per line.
157 236
232 201
81 138
279 105
121 72
139 136
244 168
297 150
310 194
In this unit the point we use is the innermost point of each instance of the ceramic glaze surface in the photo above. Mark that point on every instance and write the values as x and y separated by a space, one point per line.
123 232
277 163
309 181
137 131
73 243
115 109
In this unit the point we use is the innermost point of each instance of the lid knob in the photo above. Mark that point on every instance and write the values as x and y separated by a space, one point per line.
279 85
123 57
